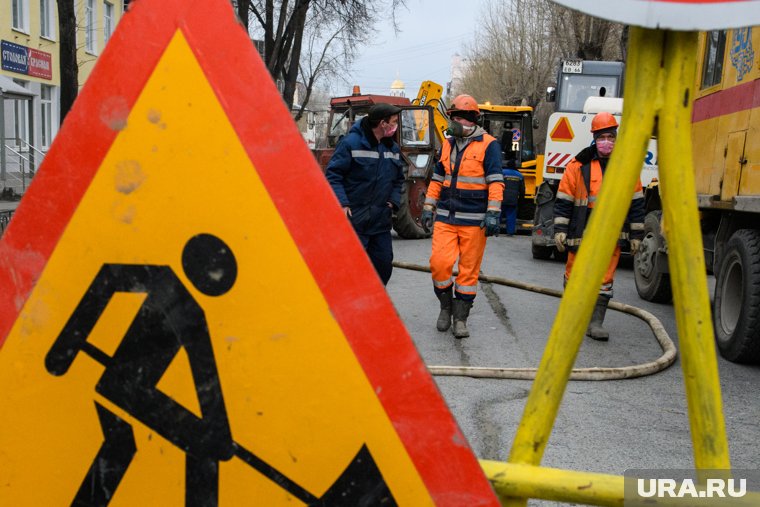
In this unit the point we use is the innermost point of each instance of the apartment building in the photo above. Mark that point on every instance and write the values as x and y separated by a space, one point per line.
30 76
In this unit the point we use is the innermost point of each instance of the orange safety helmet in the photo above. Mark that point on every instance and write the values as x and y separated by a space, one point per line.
464 103
603 121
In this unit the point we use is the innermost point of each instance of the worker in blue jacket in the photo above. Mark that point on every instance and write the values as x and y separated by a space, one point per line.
366 173
514 189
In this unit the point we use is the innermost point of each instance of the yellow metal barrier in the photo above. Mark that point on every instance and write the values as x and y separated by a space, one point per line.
686 257
513 480
661 71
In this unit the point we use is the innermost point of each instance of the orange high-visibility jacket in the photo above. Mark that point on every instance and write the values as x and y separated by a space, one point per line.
464 190
576 197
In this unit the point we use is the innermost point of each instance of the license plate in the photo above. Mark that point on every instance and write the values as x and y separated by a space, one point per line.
572 66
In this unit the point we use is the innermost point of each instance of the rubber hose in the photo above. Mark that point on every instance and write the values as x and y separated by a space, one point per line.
667 358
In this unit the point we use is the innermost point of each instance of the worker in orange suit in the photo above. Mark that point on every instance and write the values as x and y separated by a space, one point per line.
462 207
576 199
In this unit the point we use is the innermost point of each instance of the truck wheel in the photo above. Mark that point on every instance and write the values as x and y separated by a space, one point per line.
736 305
651 284
542 252
407 222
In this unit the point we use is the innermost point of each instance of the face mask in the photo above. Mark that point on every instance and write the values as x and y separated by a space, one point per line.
456 129
389 130
604 147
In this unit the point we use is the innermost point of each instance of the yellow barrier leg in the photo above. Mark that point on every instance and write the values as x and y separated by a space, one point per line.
651 90
686 257
574 314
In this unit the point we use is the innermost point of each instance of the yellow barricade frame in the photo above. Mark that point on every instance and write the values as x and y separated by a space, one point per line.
660 90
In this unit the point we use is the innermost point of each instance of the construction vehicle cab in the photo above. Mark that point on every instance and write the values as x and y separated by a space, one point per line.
512 126
417 139
584 88
578 80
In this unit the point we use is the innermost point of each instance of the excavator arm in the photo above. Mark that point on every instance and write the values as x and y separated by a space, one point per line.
431 94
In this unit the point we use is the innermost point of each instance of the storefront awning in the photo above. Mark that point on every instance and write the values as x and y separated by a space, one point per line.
10 90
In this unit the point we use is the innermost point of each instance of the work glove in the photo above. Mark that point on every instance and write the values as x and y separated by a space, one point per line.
393 209
427 218
491 223
635 245
559 241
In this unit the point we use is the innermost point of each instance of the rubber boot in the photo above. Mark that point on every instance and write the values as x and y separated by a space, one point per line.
444 318
461 310
595 329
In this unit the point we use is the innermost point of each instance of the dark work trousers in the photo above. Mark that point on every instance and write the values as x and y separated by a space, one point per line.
509 216
380 251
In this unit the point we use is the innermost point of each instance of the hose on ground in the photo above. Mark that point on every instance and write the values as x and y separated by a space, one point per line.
639 370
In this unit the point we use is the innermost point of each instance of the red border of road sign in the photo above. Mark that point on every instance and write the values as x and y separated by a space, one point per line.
673 14
295 184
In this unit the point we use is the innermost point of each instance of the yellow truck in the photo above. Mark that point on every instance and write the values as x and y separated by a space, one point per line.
513 127
726 149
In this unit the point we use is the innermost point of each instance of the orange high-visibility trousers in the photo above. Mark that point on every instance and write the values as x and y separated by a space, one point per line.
609 276
466 242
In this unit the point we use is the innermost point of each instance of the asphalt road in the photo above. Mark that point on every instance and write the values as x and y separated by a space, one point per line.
602 426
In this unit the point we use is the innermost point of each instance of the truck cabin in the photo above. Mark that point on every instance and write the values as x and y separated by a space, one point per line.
578 80
512 126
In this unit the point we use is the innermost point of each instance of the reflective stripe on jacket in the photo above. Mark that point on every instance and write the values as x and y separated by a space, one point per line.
465 189
365 175
573 205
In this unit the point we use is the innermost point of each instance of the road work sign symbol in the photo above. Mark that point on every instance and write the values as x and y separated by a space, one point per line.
562 131
173 328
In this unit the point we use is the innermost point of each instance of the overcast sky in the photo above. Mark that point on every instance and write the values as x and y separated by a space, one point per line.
431 32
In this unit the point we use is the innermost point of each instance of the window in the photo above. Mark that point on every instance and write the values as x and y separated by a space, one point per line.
415 127
47 20
20 14
46 105
107 21
712 65
21 123
576 88
90 42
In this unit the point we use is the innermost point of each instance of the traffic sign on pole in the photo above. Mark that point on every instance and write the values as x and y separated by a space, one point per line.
186 316
673 14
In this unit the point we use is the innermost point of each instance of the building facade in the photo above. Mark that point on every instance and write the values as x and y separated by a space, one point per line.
30 76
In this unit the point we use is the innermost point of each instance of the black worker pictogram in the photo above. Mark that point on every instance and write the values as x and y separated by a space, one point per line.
168 320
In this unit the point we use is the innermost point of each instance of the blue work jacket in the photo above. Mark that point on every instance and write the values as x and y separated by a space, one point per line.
514 186
365 176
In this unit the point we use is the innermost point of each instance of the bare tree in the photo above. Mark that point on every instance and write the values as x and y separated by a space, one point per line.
320 59
519 46
333 30
69 69
241 9
585 37
514 55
